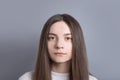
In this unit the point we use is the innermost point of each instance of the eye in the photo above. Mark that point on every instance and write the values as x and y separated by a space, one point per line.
68 38
51 38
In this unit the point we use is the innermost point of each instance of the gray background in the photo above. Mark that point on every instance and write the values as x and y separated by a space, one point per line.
21 22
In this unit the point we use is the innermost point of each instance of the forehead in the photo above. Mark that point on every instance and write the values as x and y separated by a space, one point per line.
60 28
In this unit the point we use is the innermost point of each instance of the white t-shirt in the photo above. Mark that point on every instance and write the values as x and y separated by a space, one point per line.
55 76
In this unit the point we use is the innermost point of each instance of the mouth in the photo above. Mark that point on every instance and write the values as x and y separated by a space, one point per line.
59 54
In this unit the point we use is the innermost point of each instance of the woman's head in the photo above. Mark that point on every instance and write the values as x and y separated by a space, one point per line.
62 36
59 42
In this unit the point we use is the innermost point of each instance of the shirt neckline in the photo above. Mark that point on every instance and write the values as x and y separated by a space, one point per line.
60 74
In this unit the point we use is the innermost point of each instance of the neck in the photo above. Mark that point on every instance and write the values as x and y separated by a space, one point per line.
61 67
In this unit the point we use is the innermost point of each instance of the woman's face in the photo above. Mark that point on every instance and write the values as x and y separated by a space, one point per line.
60 42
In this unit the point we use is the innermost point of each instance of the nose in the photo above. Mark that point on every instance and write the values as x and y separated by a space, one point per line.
59 44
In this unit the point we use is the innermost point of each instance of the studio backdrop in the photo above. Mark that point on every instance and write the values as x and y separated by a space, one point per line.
21 22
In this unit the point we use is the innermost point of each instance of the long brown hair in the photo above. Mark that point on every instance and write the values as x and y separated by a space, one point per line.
79 65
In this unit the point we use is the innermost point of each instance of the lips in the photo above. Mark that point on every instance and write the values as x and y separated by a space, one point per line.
59 54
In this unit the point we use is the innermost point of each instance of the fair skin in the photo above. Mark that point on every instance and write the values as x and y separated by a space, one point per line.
60 47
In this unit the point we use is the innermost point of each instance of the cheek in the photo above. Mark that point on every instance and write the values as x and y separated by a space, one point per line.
69 45
69 48
50 46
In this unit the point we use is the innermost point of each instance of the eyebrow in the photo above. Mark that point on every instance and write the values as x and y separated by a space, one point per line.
56 35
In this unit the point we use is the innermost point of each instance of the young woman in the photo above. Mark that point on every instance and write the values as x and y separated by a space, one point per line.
62 52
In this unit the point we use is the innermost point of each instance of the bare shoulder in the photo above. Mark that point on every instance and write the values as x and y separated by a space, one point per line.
92 77
26 76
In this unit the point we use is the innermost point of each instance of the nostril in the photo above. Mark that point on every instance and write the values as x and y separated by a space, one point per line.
59 44
59 47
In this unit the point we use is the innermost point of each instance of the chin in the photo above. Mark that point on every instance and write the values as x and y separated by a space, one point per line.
61 61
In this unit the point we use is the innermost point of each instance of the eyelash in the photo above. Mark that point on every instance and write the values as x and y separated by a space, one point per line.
68 38
53 38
